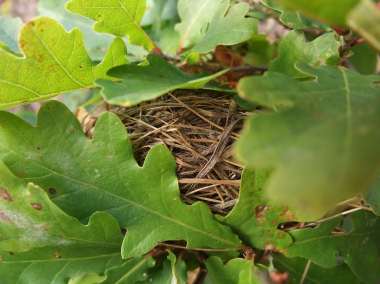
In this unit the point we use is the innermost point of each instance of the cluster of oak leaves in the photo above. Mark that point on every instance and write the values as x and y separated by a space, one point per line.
64 197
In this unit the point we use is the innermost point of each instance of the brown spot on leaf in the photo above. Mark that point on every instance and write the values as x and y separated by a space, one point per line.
40 58
4 217
4 194
37 206
279 277
288 226
260 211
338 231
57 254
227 56
248 253
22 43
52 191
269 248
287 215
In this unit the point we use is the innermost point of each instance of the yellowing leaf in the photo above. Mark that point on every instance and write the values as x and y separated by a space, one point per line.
102 175
96 43
55 61
118 17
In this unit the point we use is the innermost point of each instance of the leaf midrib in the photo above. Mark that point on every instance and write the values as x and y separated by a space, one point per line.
320 238
126 12
193 20
133 203
59 63
17 85
103 243
61 259
132 270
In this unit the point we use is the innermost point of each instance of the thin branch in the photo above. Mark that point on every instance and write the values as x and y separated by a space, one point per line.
344 213
198 249
305 272
208 181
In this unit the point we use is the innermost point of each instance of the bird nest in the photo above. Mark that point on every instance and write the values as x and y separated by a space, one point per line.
200 129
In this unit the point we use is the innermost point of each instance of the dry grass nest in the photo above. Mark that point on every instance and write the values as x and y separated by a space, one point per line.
200 129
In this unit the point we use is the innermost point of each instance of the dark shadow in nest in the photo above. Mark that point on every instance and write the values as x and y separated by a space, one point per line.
200 129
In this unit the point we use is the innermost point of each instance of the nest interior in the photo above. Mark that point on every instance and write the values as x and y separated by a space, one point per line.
200 129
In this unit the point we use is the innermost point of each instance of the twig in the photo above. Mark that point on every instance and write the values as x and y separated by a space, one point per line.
198 249
208 181
306 270
219 149
344 213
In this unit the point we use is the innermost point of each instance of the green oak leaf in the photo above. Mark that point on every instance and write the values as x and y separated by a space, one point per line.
236 271
254 219
296 21
88 278
196 16
9 29
101 174
55 61
260 51
293 49
295 267
118 17
30 220
322 9
173 270
232 19
373 197
320 132
159 22
131 271
360 15
178 269
43 266
96 43
365 20
139 83
39 243
343 240
167 39
160 11
293 19
364 59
